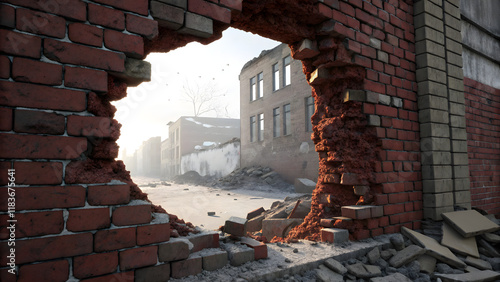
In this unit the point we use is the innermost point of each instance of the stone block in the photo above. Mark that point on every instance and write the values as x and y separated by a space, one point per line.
396 102
432 88
324 274
259 248
435 213
395 277
354 95
476 276
375 43
457 121
406 255
382 56
435 144
459 146
455 83
456 242
438 200
136 72
428 60
319 76
436 172
461 184
364 271
239 254
177 3
470 223
373 120
456 96
428 8
307 50
213 259
427 263
452 9
372 97
460 171
434 116
455 71
335 266
255 213
197 25
428 46
304 185
158 273
278 227
454 35
166 15
427 33
457 109
436 158
377 211
432 101
255 224
334 235
384 99
173 250
437 186
428 20
357 212
458 133
452 22
190 266
235 226
460 159
431 74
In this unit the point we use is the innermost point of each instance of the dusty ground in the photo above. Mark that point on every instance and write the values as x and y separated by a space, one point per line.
192 203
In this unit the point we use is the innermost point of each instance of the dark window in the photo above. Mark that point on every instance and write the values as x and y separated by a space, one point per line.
261 127
260 82
287 76
309 112
253 89
287 120
276 77
253 128
276 122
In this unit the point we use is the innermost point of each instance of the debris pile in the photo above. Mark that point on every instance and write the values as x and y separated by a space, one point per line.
251 177
469 251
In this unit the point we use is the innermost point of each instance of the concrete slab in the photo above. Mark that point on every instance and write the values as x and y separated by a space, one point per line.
478 263
364 271
433 248
324 274
476 276
406 256
427 263
255 224
336 266
395 277
453 240
470 223
492 238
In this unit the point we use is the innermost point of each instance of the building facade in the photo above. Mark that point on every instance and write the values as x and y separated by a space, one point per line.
275 109
188 134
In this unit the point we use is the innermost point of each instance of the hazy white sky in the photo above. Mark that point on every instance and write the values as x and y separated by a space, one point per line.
147 109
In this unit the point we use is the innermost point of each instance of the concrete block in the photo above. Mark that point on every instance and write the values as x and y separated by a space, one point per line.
325 274
452 9
255 224
435 144
432 102
427 7
438 200
432 88
460 171
432 47
431 74
336 266
190 266
396 102
436 172
239 254
454 83
304 185
435 213
434 130
476 276
383 56
136 72
213 259
197 25
436 158
177 3
456 242
204 241
384 99
427 263
452 22
434 116
334 235
172 251
319 76
460 159
375 43
278 227
437 185
457 109
255 213
470 223
427 33
364 271
455 71
429 21
259 248
461 184
428 60
373 120
167 16
457 96
354 95
158 273
307 49
454 35
457 121
459 146
372 97
235 226
357 212
433 248
458 133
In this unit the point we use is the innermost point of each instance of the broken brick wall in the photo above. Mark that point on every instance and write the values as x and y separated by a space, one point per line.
483 134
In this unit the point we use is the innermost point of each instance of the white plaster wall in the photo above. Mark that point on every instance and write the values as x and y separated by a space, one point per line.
481 69
217 162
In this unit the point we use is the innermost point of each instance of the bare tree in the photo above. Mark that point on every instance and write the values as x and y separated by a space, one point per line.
205 97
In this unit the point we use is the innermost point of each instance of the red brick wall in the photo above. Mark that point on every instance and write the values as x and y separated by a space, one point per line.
482 106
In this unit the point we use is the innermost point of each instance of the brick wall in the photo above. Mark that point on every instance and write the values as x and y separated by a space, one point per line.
483 132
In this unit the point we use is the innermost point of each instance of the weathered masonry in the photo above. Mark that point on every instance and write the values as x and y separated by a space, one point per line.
406 123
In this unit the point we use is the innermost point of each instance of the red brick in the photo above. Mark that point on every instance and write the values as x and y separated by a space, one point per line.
4 66
361 234
347 9
20 44
238 4
255 213
108 195
40 23
41 147
368 51
131 45
32 250
138 6
260 249
32 224
129 215
366 29
85 34
114 239
39 122
38 173
394 209
362 61
210 10
8 16
153 233
138 257
204 241
95 264
376 232
381 199
70 53
37 96
88 219
73 9
159 272
172 251
142 26
46 271
36 72
35 198
91 126
119 277
107 17
393 187
183 268
324 10
5 119
86 79
386 111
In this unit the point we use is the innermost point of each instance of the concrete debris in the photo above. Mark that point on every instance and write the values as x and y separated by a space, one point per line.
249 177
336 266
324 274
398 241
278 227
364 271
491 237
235 226
395 277
373 255
304 185
427 263
456 242
470 223
477 276
239 254
478 263
406 255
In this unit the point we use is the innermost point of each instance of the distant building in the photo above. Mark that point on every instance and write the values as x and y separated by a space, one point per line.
188 134
275 110
146 159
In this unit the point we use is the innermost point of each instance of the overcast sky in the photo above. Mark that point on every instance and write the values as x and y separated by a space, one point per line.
147 109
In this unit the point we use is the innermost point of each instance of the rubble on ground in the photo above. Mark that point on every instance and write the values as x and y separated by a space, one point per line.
250 177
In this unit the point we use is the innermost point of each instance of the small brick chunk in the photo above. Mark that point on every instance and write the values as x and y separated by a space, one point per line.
260 249
235 226
255 213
